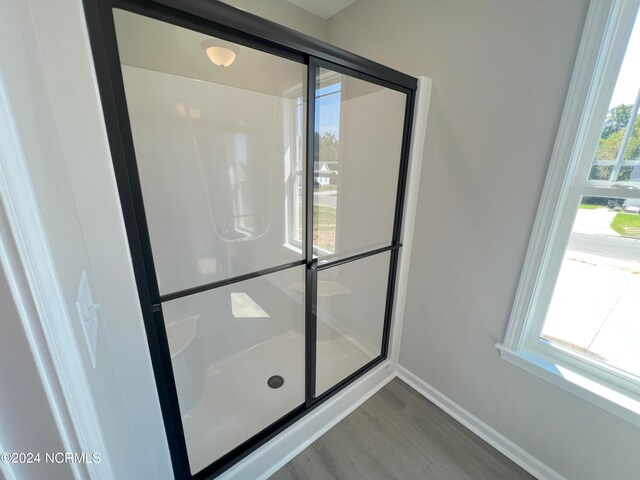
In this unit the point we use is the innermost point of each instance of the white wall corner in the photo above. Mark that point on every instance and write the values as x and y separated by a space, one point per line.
29 266
418 134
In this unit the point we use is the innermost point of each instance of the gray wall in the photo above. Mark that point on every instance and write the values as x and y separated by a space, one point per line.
501 71
47 67
24 407
284 13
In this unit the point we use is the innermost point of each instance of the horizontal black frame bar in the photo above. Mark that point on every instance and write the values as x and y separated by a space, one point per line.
360 75
249 445
352 258
347 380
177 17
230 17
228 281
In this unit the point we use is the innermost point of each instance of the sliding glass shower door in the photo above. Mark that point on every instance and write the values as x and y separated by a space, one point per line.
262 191
358 133
217 151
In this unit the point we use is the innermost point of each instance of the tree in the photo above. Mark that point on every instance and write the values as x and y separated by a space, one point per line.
616 120
611 139
609 145
328 147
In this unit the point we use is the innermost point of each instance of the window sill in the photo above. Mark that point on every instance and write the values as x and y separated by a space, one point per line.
622 405
297 249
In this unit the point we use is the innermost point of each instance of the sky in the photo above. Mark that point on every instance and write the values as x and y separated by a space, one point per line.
629 78
328 110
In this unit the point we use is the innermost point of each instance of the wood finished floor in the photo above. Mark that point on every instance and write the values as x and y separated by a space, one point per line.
398 434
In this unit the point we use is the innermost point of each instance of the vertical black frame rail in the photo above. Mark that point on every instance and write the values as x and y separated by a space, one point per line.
399 216
311 321
104 47
311 275
218 19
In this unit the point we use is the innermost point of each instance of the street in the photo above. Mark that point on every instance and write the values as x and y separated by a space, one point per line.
623 248
594 307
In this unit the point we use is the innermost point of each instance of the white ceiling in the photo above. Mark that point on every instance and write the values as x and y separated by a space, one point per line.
322 8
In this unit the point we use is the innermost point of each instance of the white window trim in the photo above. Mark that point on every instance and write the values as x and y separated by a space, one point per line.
290 117
290 224
605 35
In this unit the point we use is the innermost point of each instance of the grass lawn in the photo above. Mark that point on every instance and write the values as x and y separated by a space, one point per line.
591 207
627 224
324 227
326 188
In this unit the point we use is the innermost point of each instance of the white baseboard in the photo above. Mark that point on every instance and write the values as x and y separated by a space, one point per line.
268 459
272 456
498 441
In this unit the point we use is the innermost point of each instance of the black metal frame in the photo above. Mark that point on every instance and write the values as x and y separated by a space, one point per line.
221 20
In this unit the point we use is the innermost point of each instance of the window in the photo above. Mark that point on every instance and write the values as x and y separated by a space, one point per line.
327 162
328 98
294 171
325 182
576 317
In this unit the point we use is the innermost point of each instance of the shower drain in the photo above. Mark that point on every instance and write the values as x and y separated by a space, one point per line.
275 381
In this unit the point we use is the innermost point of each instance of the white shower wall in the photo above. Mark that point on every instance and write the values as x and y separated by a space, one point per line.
190 136
212 162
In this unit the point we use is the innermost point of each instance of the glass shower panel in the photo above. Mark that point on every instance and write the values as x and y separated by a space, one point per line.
359 128
226 346
350 311
218 149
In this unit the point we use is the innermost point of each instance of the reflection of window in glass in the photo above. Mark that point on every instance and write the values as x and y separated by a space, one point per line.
357 149
298 193
326 164
294 169
325 171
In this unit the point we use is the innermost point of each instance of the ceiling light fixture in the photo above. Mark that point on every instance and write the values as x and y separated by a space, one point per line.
221 53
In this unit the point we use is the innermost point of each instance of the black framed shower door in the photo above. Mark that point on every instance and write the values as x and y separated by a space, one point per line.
317 253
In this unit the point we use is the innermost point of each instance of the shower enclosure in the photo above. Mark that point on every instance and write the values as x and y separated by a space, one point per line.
261 175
